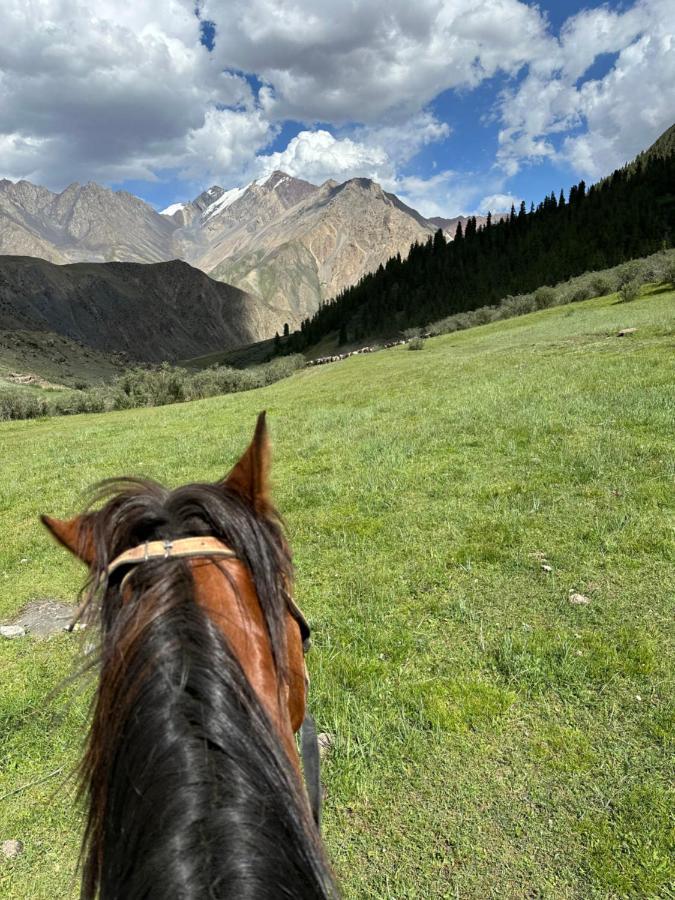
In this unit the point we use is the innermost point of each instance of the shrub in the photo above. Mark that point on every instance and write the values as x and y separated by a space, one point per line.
545 297
21 405
669 272
601 285
416 343
581 292
410 333
629 291
483 315
518 305
636 270
444 326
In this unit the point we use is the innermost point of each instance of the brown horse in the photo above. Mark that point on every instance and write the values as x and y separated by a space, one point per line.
191 773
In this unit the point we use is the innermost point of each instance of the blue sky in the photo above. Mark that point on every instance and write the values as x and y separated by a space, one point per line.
456 105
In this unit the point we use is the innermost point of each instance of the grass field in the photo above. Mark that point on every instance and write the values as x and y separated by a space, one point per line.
491 738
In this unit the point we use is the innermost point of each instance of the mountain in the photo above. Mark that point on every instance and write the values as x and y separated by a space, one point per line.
308 252
626 215
82 223
449 226
162 311
291 243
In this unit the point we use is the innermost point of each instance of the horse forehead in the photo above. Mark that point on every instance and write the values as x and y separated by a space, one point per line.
226 589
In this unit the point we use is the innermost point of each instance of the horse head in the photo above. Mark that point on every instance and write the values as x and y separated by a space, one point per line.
202 686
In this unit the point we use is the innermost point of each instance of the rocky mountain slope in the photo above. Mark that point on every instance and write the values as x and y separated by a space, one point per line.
82 223
290 243
165 311
318 246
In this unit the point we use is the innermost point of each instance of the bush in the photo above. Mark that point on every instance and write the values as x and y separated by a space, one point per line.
629 291
483 315
416 343
630 271
21 405
410 333
149 387
601 286
582 292
517 306
669 272
545 297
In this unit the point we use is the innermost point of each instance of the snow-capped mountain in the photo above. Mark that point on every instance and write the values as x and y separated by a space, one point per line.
291 243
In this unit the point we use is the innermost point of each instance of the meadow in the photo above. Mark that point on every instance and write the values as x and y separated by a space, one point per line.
490 737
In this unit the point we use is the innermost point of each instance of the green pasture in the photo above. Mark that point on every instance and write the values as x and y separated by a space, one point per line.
491 739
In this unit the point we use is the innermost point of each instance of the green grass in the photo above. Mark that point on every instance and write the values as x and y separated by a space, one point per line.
491 739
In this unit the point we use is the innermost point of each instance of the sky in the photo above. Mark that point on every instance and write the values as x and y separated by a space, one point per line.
457 106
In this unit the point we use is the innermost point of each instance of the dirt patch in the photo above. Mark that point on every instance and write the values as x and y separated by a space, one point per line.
30 378
43 618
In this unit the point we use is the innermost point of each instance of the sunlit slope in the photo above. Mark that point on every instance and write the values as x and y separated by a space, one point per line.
491 738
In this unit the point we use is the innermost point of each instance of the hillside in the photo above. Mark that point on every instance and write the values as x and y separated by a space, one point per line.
36 356
319 246
542 440
151 313
82 223
628 215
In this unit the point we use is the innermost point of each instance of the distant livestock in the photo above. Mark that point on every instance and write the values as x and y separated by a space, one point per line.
322 360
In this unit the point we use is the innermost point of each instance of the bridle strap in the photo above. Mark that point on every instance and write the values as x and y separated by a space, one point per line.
311 764
181 548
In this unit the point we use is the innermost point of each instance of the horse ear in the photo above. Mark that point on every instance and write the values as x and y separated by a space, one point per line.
250 476
76 535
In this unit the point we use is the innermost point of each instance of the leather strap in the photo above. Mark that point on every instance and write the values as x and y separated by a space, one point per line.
182 548
311 764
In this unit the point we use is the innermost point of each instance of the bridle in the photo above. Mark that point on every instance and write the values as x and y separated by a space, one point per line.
210 547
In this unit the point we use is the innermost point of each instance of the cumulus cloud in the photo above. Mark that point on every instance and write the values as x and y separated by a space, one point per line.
110 91
450 193
615 116
99 90
318 155
368 59
499 203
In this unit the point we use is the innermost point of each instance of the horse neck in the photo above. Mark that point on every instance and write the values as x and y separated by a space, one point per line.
189 790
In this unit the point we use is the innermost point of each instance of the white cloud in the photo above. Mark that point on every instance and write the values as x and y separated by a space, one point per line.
369 60
406 138
498 203
226 142
451 193
620 114
99 90
317 155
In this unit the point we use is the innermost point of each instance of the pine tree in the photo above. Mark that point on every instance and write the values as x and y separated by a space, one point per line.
286 329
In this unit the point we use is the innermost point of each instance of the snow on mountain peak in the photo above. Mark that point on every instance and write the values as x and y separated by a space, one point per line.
226 199
174 208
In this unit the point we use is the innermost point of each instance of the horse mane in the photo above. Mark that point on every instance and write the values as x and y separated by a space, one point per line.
189 792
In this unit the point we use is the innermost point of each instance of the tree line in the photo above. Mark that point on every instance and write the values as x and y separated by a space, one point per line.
627 215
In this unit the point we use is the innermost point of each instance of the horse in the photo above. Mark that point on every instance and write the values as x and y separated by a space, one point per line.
191 777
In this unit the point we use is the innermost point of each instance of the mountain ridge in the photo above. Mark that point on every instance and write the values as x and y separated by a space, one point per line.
150 312
290 243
